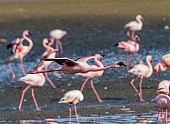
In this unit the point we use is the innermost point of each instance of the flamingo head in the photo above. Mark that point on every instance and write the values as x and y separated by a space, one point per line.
26 32
149 57
118 64
139 17
137 38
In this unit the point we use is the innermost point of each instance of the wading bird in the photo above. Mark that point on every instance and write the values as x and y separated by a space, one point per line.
49 53
90 75
129 48
163 65
141 71
69 66
19 51
134 26
32 80
162 102
72 98
57 34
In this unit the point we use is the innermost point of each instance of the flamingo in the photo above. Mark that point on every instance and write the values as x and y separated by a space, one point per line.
32 80
163 87
129 47
49 53
69 66
57 34
19 51
163 65
141 71
91 75
72 97
134 26
162 102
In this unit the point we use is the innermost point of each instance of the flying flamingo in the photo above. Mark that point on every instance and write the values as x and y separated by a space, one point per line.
19 51
134 26
91 75
163 65
72 97
129 47
57 34
163 87
32 80
49 53
162 102
69 66
141 71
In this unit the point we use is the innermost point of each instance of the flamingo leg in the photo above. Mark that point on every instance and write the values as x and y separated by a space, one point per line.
94 90
140 87
35 102
22 66
158 114
22 97
133 35
11 70
49 80
127 62
84 83
166 117
134 87
131 61
70 113
75 109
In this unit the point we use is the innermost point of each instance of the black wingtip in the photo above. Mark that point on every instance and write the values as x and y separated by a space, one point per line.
48 59
116 44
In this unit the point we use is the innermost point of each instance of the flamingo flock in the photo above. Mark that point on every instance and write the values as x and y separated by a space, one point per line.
80 67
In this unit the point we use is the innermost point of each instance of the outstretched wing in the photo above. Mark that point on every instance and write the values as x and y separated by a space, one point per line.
63 61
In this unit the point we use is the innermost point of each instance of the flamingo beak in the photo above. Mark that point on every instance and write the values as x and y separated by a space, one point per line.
30 33
122 63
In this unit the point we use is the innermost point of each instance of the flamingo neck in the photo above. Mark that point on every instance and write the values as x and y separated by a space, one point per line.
162 66
139 21
29 40
48 48
98 63
149 66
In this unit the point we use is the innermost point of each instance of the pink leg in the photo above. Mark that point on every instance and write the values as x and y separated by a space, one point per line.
133 36
136 90
35 102
75 109
131 62
140 93
13 74
158 114
48 79
22 66
70 114
127 62
22 97
84 83
94 90
166 117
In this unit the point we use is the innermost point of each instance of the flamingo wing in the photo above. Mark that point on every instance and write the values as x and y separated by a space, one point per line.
63 61
166 59
139 70
84 59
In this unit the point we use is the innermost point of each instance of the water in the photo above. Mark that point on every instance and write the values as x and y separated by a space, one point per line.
85 37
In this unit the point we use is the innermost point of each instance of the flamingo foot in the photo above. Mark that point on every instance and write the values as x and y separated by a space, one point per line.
13 77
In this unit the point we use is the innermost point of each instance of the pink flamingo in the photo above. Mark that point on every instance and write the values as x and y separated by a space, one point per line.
49 53
70 66
141 71
19 51
91 75
57 34
72 97
129 47
134 26
162 102
163 65
163 87
32 80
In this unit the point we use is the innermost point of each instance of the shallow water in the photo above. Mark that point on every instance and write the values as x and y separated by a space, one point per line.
86 36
